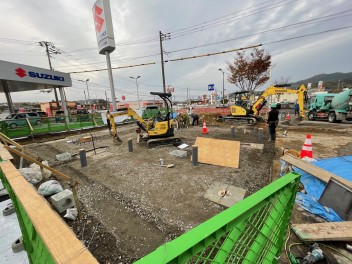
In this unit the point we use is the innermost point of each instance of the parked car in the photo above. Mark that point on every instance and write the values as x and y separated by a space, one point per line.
19 119
59 116
82 115
43 115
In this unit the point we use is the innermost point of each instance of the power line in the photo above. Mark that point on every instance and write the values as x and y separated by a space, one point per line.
222 52
307 35
324 18
215 53
198 27
314 20
117 68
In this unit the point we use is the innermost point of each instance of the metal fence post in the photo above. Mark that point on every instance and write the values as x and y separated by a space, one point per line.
233 131
130 145
83 158
195 155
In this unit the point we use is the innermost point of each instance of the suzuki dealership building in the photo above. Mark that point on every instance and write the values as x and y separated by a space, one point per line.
16 77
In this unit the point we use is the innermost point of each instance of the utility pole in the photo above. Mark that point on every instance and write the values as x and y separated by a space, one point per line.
162 37
85 98
136 78
107 101
46 45
187 96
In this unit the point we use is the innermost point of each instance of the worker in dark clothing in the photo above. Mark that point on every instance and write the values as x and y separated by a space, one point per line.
273 120
108 120
195 119
296 109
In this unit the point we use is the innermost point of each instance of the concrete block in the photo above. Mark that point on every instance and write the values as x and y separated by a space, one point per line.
179 153
62 201
224 194
63 156
9 210
17 245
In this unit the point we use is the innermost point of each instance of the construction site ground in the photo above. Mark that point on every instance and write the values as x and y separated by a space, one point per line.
130 206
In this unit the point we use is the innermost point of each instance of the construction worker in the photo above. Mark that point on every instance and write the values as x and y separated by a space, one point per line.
195 119
273 120
108 120
296 109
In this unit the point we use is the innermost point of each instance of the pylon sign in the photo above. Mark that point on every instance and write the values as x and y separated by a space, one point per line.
103 26
211 87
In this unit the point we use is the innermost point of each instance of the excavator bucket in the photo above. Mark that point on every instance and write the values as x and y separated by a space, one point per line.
117 140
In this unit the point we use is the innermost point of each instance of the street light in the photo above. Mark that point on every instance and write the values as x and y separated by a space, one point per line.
136 78
223 88
86 81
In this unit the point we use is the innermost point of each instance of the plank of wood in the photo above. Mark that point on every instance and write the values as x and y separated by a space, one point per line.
56 172
4 154
218 152
332 231
314 170
60 240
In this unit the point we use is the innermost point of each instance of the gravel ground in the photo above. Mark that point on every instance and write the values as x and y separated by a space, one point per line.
139 205
130 206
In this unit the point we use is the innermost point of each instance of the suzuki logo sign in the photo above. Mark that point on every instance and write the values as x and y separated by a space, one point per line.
103 26
21 72
99 21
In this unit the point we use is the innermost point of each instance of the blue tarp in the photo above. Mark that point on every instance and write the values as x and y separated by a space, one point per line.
340 166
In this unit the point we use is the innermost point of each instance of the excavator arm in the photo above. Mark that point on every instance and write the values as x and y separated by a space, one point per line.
125 112
274 90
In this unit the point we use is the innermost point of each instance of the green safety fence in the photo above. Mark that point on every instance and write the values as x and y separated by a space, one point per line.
49 125
37 251
251 231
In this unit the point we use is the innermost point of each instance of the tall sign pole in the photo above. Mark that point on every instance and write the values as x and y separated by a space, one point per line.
162 37
105 38
46 44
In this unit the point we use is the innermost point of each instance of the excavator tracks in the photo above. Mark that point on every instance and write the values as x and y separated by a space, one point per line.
250 121
162 141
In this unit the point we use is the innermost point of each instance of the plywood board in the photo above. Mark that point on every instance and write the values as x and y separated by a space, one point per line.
224 194
333 231
314 170
218 152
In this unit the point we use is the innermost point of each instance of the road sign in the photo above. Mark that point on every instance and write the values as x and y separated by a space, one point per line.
210 87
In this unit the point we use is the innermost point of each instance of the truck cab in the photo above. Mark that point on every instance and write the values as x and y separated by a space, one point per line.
319 106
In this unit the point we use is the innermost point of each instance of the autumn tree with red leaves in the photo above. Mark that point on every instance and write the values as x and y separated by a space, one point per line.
250 72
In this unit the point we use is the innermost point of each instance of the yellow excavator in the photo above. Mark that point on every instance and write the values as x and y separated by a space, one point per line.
159 129
241 111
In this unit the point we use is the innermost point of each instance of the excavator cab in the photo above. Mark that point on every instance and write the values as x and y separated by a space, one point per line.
241 107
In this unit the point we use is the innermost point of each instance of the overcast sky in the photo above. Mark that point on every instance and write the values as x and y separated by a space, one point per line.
69 25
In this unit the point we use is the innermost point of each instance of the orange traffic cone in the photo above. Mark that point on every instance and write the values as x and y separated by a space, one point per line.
288 117
204 129
307 149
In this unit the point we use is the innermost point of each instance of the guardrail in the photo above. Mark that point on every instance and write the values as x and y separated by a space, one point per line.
251 231
49 125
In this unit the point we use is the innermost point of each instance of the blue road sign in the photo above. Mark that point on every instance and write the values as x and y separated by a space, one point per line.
210 87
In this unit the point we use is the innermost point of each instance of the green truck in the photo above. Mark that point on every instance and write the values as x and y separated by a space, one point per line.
332 107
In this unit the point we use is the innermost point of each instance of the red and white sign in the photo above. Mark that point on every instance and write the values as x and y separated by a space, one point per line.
123 98
103 26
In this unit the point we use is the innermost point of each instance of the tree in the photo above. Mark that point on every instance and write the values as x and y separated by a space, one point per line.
250 72
283 80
